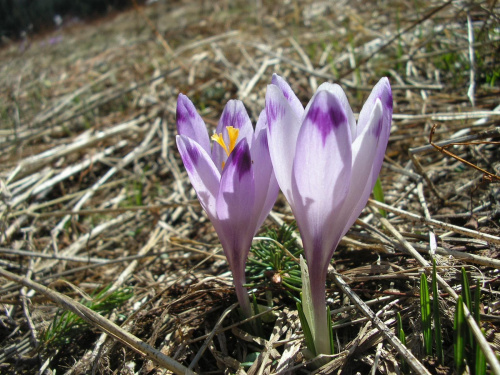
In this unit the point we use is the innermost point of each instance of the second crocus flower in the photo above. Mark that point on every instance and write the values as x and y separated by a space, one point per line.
326 164
234 179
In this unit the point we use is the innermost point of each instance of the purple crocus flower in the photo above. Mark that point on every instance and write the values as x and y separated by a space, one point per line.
234 179
326 165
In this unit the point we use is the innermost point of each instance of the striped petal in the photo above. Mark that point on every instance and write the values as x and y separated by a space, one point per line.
282 130
190 123
382 91
234 115
321 174
266 185
202 173
235 203
368 150
289 95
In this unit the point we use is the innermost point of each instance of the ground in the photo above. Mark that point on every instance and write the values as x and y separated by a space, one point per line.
96 204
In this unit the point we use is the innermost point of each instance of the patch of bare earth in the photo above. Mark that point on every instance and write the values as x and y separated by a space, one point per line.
94 195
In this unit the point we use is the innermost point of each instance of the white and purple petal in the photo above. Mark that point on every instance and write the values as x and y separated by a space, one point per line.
321 174
235 115
190 123
382 91
235 203
341 96
289 95
366 151
203 174
282 130
266 185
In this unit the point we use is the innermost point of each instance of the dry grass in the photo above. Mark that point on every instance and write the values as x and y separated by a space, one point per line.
93 193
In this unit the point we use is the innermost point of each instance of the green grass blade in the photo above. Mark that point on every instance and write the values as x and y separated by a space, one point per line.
378 194
330 329
437 317
459 333
477 301
425 309
308 337
402 337
469 338
480 368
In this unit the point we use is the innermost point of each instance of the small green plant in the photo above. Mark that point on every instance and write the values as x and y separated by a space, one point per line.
274 261
459 336
425 309
378 194
437 317
402 337
66 325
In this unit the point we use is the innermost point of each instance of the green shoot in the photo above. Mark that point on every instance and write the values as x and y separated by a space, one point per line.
425 309
308 337
378 194
66 325
402 337
480 367
437 318
459 339
273 261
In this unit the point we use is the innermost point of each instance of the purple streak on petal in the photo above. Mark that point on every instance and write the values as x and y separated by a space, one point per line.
235 204
288 94
321 175
325 118
242 160
190 123
341 96
275 111
266 186
202 173
234 115
368 153
282 132
382 91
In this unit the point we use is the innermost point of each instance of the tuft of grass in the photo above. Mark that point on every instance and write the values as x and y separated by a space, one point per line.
437 317
402 337
66 325
425 309
274 261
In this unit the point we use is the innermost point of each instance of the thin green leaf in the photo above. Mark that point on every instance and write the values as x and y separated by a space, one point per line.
330 330
402 338
469 338
378 194
459 333
436 313
308 337
480 368
425 309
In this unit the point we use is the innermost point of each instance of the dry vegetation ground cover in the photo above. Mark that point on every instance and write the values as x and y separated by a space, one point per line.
96 205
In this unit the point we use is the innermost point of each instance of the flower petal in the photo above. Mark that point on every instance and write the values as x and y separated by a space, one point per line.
289 95
202 173
266 185
282 130
368 153
235 203
321 175
382 91
340 94
190 123
234 115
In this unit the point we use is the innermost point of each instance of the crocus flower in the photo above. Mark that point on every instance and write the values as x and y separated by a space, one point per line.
234 179
326 164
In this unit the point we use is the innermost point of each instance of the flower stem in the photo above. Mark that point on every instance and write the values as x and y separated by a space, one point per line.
321 332
242 295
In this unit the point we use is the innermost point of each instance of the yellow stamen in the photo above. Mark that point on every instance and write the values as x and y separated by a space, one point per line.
232 132
220 140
